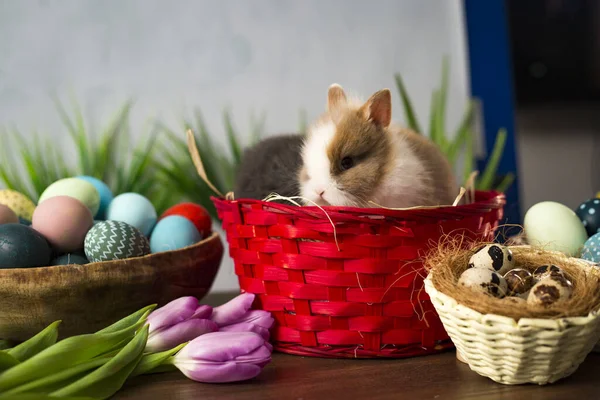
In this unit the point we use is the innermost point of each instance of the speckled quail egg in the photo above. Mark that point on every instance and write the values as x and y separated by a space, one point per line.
484 280
493 257
519 281
552 290
545 271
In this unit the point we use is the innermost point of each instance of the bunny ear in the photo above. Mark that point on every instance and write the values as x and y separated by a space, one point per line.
379 108
336 98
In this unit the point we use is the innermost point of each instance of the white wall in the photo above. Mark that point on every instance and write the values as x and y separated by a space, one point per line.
276 56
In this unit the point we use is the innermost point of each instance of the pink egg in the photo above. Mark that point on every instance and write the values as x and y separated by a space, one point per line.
63 221
7 216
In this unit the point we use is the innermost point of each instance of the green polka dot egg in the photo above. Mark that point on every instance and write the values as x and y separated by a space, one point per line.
114 240
19 203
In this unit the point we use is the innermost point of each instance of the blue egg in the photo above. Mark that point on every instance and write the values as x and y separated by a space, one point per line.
133 209
172 233
591 249
106 195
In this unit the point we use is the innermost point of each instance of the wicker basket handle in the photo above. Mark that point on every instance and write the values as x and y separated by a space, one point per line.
197 160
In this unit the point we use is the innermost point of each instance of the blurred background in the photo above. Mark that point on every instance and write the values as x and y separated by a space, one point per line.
509 88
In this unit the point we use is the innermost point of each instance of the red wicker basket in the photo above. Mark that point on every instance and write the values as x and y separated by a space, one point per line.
365 299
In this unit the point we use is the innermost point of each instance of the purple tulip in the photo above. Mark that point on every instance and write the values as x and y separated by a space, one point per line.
178 322
224 357
236 316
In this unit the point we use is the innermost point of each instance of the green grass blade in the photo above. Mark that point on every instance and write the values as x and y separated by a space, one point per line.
36 344
302 122
489 173
505 183
409 113
469 161
78 134
432 117
461 136
439 133
108 149
232 138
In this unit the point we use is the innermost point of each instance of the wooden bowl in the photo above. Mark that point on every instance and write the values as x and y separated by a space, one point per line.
90 297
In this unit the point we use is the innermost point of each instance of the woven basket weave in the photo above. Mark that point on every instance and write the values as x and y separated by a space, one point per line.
363 300
528 351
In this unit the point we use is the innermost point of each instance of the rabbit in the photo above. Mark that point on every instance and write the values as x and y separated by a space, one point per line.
354 156
270 166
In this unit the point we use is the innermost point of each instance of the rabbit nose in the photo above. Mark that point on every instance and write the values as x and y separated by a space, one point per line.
320 192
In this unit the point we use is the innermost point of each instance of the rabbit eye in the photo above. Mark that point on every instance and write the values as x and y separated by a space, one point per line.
347 163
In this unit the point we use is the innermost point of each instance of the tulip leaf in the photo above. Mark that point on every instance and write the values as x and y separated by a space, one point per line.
39 342
152 361
109 378
129 320
53 382
65 354
39 396
7 361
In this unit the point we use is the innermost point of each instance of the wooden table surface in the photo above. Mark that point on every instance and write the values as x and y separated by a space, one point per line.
438 376
432 377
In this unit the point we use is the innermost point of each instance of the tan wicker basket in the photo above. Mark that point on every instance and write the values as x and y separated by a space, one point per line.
528 351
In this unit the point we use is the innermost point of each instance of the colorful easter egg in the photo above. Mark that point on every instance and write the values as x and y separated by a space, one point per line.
7 216
79 189
591 249
106 195
133 209
22 247
172 233
77 258
589 214
194 213
554 226
63 221
115 240
19 203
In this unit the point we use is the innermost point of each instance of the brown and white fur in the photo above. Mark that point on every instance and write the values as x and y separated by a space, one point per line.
353 155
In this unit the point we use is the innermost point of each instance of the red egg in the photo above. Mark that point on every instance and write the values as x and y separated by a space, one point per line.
195 213
63 221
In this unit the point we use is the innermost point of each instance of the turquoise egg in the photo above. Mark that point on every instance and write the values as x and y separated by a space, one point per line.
133 209
22 247
173 233
591 249
106 195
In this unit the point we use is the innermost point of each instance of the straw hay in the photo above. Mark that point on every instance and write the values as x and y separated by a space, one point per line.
450 260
